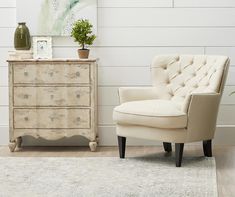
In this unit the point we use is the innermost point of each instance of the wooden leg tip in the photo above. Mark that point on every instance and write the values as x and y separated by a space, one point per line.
93 146
122 146
12 146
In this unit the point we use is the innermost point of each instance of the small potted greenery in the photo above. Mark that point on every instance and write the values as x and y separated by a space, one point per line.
232 93
82 33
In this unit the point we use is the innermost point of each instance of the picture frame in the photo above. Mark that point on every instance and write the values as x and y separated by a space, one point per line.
42 47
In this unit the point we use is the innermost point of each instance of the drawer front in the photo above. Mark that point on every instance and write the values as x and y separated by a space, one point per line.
51 73
52 96
51 118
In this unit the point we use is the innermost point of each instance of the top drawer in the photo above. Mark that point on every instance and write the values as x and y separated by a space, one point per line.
51 73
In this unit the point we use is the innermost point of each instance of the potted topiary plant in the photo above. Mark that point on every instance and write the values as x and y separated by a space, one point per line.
82 33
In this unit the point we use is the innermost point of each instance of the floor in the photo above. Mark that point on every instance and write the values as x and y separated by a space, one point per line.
225 158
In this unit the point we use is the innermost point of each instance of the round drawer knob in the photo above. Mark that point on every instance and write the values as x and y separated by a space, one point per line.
26 118
78 96
78 118
26 96
51 74
78 74
52 96
25 73
52 119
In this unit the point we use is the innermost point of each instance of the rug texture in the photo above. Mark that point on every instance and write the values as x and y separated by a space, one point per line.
106 177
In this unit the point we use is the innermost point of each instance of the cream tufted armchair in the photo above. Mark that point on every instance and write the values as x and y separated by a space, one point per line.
180 107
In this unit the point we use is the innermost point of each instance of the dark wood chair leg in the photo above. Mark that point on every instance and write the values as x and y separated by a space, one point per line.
207 148
122 146
167 146
179 149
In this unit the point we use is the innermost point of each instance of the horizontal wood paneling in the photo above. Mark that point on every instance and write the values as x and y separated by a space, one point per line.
7 3
227 98
112 76
105 115
134 3
226 115
165 17
7 37
154 36
108 96
8 21
128 76
4 55
4 133
126 56
228 51
231 76
4 116
166 37
4 99
3 76
204 3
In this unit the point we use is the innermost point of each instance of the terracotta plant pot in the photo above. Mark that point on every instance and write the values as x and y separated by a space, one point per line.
83 53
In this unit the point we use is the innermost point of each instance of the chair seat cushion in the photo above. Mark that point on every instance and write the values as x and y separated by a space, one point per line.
151 113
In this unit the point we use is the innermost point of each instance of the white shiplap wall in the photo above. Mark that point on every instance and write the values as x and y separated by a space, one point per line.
130 33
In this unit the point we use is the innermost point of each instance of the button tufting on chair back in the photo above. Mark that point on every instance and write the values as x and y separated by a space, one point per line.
177 76
181 106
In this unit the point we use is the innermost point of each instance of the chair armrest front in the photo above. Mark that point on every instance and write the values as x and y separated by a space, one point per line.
202 115
127 94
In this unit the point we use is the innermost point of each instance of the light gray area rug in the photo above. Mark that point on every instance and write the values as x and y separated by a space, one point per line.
106 177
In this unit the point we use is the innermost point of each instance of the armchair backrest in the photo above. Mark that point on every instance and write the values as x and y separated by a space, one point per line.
177 76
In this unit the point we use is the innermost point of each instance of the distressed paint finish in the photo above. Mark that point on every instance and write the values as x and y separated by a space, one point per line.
51 118
53 106
51 73
52 96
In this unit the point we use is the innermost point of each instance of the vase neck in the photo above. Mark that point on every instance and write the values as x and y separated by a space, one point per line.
21 23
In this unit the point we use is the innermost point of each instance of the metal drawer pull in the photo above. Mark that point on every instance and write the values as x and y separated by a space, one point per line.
52 96
25 73
51 74
78 118
52 119
78 74
78 95
26 118
26 96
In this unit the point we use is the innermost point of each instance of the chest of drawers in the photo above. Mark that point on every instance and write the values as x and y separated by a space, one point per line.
52 99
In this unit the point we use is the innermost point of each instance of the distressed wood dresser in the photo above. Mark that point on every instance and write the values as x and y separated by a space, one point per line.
52 99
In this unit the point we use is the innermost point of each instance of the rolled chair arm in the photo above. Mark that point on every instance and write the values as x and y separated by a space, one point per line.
127 94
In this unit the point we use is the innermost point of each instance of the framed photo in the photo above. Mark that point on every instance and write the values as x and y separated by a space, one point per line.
42 47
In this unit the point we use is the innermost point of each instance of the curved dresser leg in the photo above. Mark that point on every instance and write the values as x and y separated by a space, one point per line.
93 146
12 146
19 142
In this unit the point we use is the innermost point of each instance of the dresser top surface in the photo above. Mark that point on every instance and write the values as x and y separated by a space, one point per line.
54 60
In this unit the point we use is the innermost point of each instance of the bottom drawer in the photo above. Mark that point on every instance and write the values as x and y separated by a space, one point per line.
51 118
